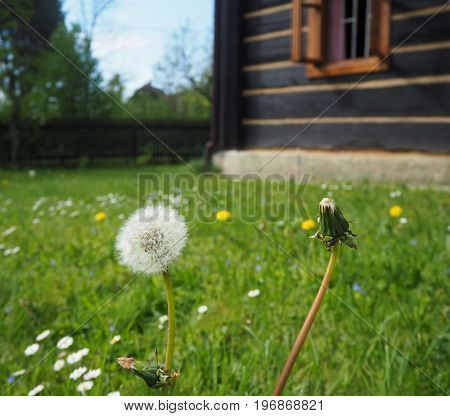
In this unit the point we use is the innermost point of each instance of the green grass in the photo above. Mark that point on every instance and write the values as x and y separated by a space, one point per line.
66 271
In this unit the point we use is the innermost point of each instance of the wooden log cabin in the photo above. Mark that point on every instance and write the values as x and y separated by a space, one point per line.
361 87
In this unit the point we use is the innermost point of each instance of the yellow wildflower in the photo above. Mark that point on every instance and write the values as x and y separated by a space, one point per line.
223 215
100 216
395 211
308 225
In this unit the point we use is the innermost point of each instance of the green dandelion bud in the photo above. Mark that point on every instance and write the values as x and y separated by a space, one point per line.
334 227
151 372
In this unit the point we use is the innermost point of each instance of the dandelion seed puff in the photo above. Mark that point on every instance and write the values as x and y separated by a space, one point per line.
85 386
43 335
64 342
92 374
253 293
403 220
115 339
19 373
31 349
59 364
77 373
151 239
36 390
114 393
202 309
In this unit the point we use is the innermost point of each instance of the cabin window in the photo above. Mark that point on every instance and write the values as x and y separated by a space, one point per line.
340 37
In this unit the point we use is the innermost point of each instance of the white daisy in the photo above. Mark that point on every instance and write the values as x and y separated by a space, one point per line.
92 374
59 364
83 352
151 239
85 386
19 373
64 342
163 319
202 309
43 335
403 220
77 356
114 393
115 339
9 231
31 349
36 390
73 358
77 373
253 293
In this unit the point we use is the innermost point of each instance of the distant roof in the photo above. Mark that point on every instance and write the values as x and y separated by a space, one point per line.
149 89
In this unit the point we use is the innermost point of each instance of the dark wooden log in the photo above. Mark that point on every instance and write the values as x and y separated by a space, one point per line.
388 136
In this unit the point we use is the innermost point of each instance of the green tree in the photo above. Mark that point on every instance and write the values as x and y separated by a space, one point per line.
71 90
187 64
20 48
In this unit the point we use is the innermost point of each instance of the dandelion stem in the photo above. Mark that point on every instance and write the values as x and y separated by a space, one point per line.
171 322
282 379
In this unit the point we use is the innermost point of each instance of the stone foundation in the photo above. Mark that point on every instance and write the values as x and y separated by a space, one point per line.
375 166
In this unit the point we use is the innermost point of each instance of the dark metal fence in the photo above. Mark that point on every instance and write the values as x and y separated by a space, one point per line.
105 142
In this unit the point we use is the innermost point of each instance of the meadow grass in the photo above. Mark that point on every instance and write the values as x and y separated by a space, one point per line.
387 301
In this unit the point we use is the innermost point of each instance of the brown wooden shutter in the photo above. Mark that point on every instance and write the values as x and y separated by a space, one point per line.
380 44
307 46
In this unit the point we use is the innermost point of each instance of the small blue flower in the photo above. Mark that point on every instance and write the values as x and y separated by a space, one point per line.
11 379
413 243
228 262
357 288
258 267
111 328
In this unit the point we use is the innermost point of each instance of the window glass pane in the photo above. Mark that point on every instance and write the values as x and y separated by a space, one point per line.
348 29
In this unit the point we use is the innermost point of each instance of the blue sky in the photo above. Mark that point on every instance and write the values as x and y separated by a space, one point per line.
131 35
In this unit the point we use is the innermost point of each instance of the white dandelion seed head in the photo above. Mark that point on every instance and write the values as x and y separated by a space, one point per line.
59 364
31 349
36 390
43 335
77 373
92 374
202 309
85 386
151 239
253 293
64 342
403 220
327 204
19 373
114 393
115 339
